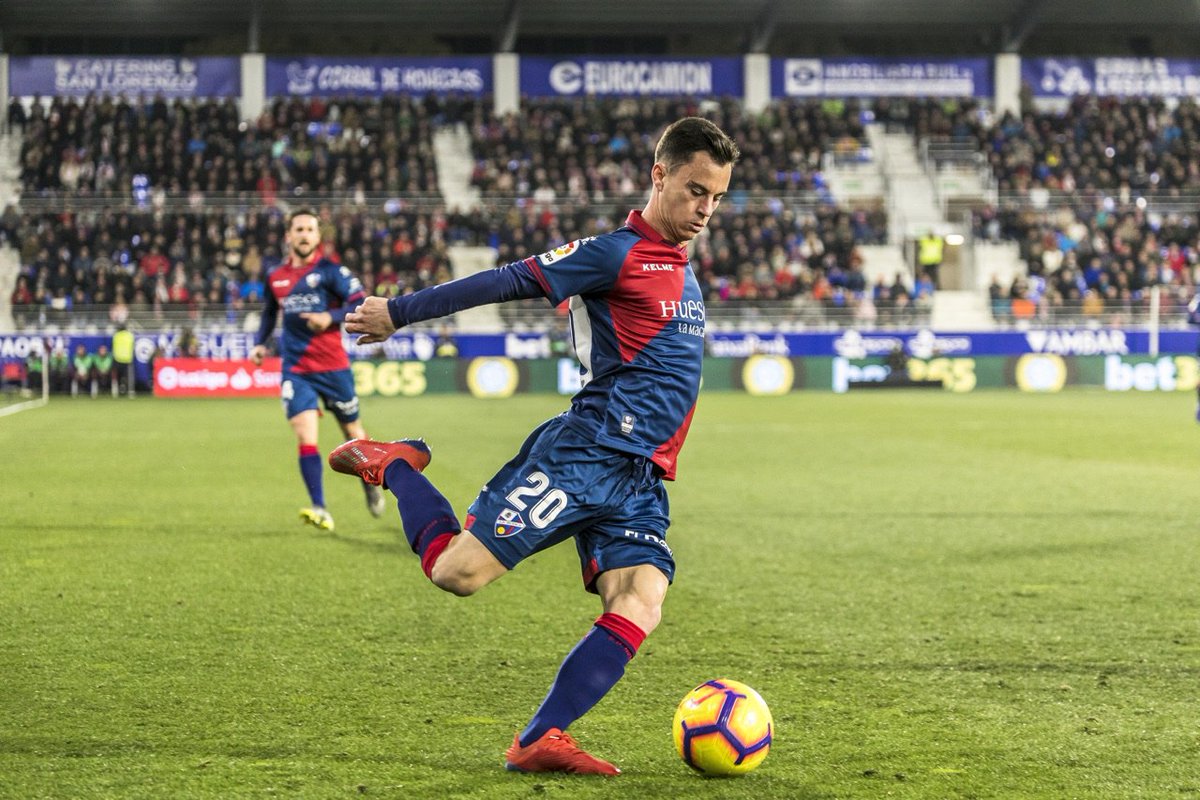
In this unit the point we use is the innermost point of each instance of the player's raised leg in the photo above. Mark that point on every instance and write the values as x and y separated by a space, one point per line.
455 563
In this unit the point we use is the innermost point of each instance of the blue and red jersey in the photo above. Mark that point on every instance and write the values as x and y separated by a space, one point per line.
637 316
317 285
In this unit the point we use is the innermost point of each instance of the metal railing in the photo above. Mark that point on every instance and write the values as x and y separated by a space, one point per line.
1040 199
801 314
798 315
43 203
240 202
1168 312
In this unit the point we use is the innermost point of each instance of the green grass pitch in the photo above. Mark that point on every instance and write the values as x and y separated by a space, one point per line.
982 596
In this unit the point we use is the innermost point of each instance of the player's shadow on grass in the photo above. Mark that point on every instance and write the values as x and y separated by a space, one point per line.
395 546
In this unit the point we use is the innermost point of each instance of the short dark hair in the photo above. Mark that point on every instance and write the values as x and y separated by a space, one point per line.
303 211
691 135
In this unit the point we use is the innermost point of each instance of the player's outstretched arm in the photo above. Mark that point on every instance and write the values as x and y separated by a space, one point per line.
377 319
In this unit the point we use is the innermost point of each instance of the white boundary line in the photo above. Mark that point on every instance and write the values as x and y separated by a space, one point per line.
25 406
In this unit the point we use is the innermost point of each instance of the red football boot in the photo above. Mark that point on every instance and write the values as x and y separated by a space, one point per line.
555 752
368 458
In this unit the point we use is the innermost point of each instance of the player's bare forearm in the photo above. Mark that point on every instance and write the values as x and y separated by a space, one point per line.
371 321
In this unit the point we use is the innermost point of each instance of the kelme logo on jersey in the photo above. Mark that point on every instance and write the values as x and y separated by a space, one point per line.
313 279
508 524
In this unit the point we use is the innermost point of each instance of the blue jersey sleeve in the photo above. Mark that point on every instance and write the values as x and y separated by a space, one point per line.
347 289
270 311
581 267
510 282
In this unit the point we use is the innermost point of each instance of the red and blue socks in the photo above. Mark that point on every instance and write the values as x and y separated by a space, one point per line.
310 470
587 673
428 519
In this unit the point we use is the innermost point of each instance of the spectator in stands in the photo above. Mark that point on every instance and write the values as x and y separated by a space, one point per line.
34 369
59 364
24 303
82 371
104 370
15 120
998 299
930 250
154 264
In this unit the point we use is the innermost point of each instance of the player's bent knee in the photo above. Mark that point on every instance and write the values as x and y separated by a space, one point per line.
465 567
450 579
646 616
635 593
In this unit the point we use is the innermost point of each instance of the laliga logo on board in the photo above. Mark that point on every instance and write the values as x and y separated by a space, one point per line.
168 378
566 77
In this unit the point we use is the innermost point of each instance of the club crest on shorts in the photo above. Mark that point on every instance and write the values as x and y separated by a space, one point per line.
508 523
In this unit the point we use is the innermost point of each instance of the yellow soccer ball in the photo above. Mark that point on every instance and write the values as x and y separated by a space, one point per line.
723 727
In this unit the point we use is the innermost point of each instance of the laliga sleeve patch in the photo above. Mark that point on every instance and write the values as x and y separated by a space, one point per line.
562 251
509 523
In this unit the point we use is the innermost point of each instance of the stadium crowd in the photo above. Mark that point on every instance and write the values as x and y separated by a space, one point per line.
1102 207
563 172
574 149
1090 185
98 146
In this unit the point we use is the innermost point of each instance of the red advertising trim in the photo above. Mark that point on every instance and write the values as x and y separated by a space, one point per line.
201 377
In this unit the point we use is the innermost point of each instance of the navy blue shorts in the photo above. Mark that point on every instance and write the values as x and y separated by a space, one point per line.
561 485
300 391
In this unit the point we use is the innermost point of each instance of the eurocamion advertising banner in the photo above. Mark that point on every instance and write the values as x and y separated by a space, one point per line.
574 76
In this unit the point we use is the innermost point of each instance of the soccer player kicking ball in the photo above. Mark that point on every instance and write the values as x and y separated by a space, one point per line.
315 295
594 473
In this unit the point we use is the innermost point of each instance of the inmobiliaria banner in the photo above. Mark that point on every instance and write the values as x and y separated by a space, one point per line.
200 377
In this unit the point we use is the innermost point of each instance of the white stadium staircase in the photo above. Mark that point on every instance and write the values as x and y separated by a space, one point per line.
455 163
10 262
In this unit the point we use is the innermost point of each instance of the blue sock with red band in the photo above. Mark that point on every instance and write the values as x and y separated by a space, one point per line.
425 513
587 673
310 470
